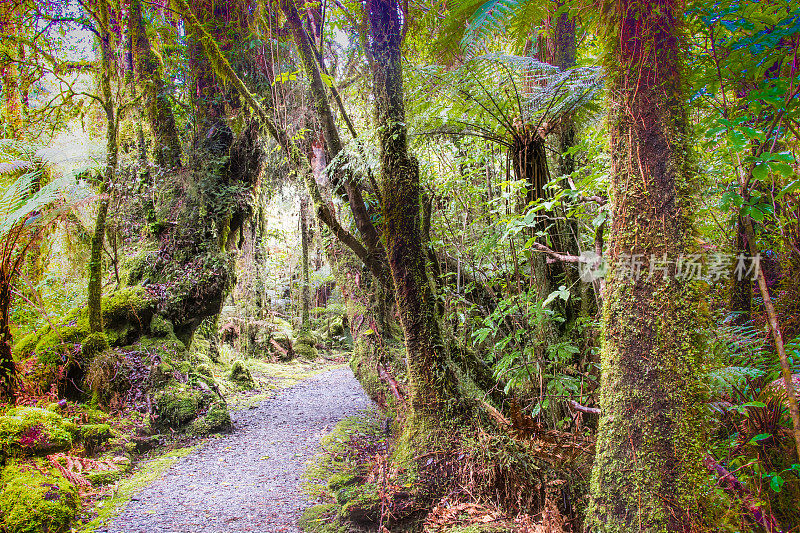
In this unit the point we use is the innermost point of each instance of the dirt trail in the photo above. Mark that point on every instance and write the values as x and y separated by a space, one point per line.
250 479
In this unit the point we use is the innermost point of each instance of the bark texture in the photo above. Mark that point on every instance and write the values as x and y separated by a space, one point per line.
95 288
149 71
647 473
432 384
305 296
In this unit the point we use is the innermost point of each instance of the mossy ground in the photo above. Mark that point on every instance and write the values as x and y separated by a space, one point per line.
342 477
36 498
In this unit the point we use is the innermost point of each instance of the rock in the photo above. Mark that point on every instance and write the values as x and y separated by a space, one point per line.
34 502
216 419
31 431
241 376
179 404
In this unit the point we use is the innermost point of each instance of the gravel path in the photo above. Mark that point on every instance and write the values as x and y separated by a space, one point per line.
248 480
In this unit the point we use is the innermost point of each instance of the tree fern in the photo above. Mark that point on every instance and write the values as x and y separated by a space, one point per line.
492 95
475 22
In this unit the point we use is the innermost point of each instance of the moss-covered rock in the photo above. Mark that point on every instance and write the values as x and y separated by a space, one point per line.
161 327
216 419
179 404
130 305
31 430
305 346
34 502
240 375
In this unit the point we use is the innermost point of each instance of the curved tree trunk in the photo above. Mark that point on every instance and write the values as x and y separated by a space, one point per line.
8 370
648 470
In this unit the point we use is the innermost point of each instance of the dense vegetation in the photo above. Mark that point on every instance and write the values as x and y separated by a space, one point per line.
558 241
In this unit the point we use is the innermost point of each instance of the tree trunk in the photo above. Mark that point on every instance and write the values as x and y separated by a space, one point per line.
9 73
8 370
95 288
741 296
149 71
433 387
648 474
305 294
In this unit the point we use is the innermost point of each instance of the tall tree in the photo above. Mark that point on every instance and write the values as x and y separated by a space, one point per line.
431 381
149 71
305 293
9 72
647 472
95 288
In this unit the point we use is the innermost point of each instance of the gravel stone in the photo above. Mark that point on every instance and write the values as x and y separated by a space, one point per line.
250 479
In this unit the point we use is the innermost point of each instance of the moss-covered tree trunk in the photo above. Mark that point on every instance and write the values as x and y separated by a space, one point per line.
647 473
8 370
149 71
433 389
305 295
95 288
9 74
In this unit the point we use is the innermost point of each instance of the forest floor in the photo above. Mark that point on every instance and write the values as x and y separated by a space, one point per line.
250 478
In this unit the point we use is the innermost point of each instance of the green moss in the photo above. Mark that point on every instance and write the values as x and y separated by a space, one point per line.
241 376
340 480
179 404
305 351
216 419
98 478
360 503
94 344
26 345
205 370
31 430
130 304
322 519
93 435
55 347
162 327
33 502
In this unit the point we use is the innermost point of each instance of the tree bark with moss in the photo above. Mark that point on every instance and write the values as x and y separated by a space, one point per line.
433 387
305 294
149 71
9 74
647 473
95 288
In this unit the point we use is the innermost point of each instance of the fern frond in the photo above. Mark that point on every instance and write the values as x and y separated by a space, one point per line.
22 208
492 94
13 166
476 22
17 192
